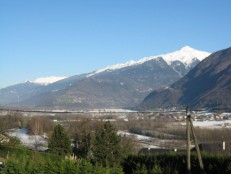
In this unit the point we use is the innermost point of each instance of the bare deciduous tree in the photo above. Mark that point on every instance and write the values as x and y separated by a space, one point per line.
9 121
39 125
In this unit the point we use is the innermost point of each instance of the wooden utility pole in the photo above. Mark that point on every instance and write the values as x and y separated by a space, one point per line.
188 141
189 125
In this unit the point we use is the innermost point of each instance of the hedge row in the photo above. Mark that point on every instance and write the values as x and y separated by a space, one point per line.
65 166
175 163
21 160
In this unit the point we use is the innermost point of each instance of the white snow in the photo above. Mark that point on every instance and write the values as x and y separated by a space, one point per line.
136 136
185 55
114 67
29 140
47 80
211 124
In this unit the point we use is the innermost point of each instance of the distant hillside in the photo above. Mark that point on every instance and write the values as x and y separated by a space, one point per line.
18 93
207 85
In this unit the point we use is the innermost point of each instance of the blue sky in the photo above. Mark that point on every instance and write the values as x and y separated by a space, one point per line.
69 37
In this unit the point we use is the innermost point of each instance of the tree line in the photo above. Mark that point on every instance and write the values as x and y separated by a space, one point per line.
104 147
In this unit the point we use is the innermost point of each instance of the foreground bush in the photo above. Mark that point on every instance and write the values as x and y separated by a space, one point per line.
24 161
175 163
65 166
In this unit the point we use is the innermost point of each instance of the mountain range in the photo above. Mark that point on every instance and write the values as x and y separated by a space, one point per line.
208 85
117 86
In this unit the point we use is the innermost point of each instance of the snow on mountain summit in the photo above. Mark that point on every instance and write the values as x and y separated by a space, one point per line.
186 55
47 80
114 67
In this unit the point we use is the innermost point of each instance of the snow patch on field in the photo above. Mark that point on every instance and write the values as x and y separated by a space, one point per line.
31 141
212 124
136 136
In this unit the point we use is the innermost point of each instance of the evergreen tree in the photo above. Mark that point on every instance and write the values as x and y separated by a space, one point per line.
107 150
59 142
83 146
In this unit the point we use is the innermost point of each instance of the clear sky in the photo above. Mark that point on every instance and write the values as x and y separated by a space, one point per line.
40 38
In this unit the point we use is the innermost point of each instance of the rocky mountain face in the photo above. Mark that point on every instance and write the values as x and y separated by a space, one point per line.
117 86
207 85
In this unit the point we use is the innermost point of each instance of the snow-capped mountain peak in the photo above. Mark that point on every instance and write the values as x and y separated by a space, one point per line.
186 55
47 80
187 48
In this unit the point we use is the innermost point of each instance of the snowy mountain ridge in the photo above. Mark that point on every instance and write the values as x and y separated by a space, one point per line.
186 55
47 80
